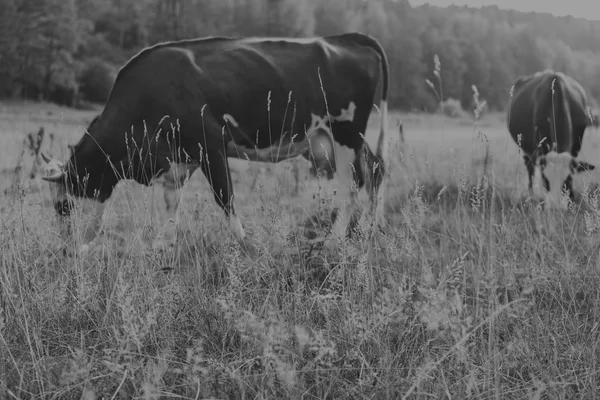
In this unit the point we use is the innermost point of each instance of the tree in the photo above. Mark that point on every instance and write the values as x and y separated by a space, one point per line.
46 44
46 36
452 66
477 72
525 49
290 18
9 57
332 17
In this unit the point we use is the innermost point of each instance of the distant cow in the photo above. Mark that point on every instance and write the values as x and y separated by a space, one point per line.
547 117
180 105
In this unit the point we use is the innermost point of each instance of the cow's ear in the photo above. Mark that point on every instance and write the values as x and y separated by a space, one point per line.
582 166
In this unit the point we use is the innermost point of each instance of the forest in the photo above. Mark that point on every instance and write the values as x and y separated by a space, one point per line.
68 51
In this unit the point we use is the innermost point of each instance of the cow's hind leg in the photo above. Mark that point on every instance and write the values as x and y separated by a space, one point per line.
342 191
366 172
216 169
578 138
373 178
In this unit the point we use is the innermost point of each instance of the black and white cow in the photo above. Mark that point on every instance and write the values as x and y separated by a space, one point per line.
547 117
180 105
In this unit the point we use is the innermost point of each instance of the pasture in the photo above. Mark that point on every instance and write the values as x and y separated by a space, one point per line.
472 291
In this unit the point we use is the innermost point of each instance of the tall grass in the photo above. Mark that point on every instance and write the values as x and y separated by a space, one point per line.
473 291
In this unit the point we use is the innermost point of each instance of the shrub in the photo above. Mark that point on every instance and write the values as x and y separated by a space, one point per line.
452 108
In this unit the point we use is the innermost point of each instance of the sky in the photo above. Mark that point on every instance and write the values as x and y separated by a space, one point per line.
589 9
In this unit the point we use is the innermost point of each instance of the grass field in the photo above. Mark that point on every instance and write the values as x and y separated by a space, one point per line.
473 291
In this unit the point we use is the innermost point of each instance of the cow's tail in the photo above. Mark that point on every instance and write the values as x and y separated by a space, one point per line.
380 174
382 142
560 120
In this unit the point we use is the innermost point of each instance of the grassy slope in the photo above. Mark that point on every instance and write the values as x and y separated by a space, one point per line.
473 292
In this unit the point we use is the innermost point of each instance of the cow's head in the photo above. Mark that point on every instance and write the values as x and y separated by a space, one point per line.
54 171
557 168
63 192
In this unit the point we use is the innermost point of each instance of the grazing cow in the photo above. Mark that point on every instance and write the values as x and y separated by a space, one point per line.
182 105
547 117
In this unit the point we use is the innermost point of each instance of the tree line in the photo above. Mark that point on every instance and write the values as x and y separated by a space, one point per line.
68 51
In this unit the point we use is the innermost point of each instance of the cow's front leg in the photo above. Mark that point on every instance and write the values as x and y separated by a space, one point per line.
174 180
369 172
343 186
216 170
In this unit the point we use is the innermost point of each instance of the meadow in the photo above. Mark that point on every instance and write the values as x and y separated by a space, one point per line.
473 290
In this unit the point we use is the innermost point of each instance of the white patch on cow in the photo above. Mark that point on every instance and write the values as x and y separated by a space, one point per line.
318 122
235 226
322 124
231 120
346 114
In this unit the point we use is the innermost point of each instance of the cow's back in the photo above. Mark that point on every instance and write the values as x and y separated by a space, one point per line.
578 101
273 83
305 67
265 86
